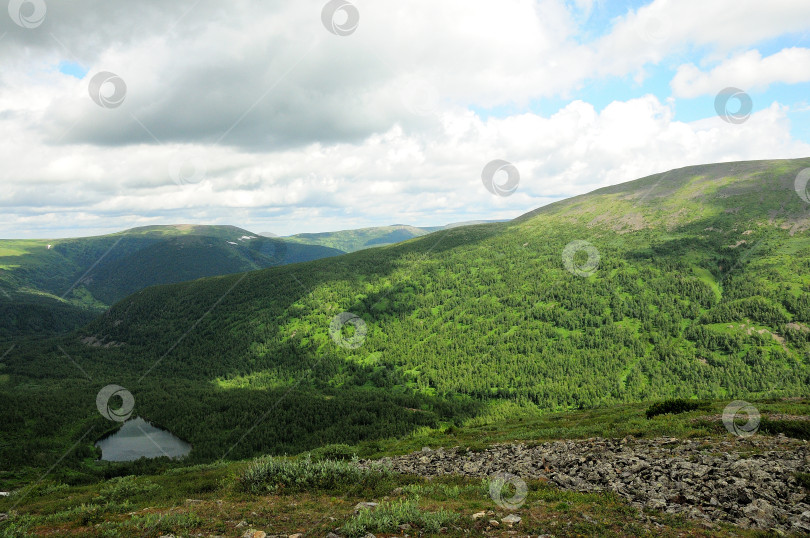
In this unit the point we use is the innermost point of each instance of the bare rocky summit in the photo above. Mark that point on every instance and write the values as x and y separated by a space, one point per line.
749 482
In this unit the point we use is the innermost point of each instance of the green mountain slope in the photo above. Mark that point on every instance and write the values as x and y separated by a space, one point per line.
359 239
701 290
354 240
72 276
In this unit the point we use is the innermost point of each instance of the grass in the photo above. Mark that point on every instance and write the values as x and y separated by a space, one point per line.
626 420
799 429
426 506
804 480
281 475
388 516
316 494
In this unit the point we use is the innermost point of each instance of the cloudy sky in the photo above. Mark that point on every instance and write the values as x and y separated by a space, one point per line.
303 116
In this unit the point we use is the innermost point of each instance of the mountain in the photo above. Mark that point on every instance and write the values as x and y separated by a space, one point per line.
56 284
359 239
691 283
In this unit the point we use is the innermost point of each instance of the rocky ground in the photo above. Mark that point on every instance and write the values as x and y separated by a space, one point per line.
750 482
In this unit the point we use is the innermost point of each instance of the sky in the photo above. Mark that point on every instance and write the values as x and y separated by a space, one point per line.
309 116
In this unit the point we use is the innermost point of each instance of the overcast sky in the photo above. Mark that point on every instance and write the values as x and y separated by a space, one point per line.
303 116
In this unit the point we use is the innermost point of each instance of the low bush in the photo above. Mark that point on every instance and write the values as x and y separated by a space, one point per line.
124 488
270 474
388 516
804 480
674 407
333 452
798 429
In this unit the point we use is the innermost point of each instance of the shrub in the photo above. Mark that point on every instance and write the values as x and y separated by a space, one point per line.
124 488
439 490
270 474
798 429
388 516
197 468
673 406
804 480
333 452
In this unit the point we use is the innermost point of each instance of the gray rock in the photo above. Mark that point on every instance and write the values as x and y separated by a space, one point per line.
511 519
709 479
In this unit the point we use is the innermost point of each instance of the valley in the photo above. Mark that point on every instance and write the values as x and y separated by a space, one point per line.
354 269
54 285
565 323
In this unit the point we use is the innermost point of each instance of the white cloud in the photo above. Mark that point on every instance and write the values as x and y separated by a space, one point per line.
299 129
666 25
748 71
395 176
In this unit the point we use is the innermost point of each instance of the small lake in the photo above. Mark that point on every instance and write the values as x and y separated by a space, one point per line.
139 439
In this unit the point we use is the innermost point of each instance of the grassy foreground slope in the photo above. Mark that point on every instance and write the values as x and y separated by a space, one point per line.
215 499
701 290
49 285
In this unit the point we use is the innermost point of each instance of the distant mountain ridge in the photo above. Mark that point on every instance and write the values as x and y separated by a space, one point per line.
44 284
694 283
362 238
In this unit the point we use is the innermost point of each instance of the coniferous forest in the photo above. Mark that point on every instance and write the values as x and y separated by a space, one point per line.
701 293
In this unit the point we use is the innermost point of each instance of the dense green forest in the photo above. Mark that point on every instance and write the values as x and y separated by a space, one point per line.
362 238
49 286
354 240
701 290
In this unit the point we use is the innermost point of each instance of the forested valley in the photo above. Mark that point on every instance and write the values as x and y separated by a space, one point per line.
702 293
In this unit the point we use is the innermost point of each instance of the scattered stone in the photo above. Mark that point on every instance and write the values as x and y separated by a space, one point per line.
511 519
426 449
478 515
803 523
761 512
332 535
404 527
296 535
241 524
494 522
364 506
254 534
3 516
750 482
